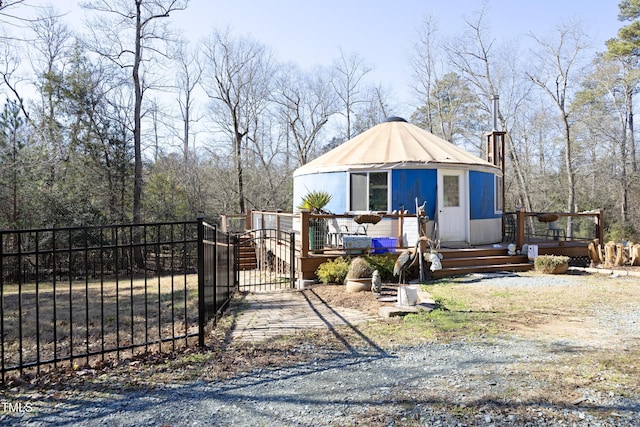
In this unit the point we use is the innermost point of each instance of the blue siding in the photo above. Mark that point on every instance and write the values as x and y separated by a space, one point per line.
481 195
335 183
408 184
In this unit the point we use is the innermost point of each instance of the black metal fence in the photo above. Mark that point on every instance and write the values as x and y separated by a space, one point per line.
87 294
215 274
265 260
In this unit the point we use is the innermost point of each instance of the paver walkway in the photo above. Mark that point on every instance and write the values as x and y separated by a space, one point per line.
267 314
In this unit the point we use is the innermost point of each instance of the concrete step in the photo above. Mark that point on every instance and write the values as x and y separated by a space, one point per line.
483 260
485 268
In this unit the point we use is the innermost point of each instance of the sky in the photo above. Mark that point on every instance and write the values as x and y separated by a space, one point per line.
313 32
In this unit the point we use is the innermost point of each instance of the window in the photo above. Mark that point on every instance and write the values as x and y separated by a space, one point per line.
498 194
451 191
369 191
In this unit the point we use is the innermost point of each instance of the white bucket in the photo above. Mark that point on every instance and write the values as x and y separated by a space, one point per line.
407 296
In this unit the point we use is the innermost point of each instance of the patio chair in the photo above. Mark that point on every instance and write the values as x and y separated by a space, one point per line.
555 231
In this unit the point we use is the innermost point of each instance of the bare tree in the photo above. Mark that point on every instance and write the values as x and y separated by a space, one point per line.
306 102
237 74
9 16
475 58
608 93
423 59
376 108
187 80
50 52
129 33
349 85
9 73
557 62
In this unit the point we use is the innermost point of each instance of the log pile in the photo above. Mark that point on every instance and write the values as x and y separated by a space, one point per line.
614 254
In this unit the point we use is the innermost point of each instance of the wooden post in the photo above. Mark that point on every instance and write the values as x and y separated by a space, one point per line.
304 233
248 220
520 219
399 242
599 226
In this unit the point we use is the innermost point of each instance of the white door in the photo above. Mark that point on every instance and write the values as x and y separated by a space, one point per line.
452 196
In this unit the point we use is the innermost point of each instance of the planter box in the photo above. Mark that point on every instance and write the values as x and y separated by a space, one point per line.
356 244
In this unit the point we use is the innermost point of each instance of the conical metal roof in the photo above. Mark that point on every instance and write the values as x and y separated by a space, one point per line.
394 143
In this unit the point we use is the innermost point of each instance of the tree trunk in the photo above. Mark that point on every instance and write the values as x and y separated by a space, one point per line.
137 114
137 137
571 175
238 158
632 140
523 189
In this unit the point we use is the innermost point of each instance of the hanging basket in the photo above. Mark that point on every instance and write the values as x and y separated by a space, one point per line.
548 217
367 219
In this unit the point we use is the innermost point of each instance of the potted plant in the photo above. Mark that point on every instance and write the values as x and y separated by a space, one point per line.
315 201
359 275
552 264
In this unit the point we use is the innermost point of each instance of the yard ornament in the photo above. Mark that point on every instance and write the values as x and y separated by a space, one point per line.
434 257
376 282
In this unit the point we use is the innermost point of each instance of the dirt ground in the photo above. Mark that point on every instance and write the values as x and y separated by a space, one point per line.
569 324
336 296
590 320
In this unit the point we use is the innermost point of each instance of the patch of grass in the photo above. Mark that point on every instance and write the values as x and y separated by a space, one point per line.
90 315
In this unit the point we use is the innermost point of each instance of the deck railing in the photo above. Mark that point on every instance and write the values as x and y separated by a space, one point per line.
322 233
557 226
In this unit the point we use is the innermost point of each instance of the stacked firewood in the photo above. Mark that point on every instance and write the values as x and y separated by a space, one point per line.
614 254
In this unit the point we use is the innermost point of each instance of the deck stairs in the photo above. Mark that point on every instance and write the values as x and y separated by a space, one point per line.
457 262
247 254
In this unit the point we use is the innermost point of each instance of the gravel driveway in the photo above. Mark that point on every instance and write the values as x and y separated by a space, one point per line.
459 383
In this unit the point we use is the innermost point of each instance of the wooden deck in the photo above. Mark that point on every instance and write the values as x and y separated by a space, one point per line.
464 260
520 227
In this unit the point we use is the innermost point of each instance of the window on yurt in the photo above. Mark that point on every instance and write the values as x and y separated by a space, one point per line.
369 191
451 191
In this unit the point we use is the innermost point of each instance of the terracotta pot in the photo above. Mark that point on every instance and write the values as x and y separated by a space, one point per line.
561 269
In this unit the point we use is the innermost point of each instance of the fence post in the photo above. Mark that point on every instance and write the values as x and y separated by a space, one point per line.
201 279
231 264
236 261
304 233
292 258
520 227
214 273
2 306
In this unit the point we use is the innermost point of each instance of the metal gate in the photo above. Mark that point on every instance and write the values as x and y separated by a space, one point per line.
265 260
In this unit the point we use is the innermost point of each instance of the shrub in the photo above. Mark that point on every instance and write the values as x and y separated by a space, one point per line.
359 268
619 232
384 264
548 263
333 271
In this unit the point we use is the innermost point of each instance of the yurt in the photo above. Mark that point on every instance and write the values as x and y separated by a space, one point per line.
388 167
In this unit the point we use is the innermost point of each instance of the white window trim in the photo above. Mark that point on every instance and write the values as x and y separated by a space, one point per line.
497 197
348 189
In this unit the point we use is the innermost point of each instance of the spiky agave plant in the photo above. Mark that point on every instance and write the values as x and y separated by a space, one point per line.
315 201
